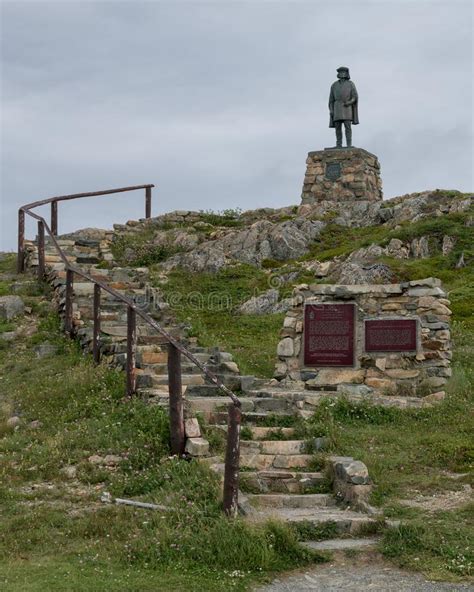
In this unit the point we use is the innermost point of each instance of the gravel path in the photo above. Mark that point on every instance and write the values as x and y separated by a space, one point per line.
369 577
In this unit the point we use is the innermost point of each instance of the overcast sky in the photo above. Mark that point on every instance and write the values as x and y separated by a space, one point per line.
217 103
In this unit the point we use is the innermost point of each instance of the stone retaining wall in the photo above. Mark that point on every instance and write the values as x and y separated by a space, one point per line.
419 372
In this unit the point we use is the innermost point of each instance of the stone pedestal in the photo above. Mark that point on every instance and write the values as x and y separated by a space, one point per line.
341 174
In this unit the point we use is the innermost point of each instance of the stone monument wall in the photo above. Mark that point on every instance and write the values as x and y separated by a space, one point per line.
392 338
342 174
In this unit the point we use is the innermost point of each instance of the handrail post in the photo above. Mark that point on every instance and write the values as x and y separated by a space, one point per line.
96 330
41 268
147 202
131 340
232 457
68 305
175 388
54 218
20 261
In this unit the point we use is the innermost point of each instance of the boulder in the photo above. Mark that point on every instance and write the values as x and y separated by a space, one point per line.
261 240
14 421
419 248
265 303
448 245
11 307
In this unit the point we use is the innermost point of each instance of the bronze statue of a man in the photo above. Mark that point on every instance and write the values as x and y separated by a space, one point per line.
343 101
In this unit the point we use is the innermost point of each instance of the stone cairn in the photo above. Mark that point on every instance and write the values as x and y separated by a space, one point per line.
423 371
340 175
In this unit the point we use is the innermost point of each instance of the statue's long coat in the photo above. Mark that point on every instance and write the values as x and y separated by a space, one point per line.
341 92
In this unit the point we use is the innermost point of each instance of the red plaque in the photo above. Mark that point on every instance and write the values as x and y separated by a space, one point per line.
390 335
329 335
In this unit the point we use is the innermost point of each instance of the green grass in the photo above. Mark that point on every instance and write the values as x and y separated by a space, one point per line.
229 218
138 250
410 451
207 303
8 263
336 240
409 448
442 543
57 535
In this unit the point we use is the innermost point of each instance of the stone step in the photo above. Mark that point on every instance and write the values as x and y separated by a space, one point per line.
345 521
288 500
211 404
261 433
281 481
147 380
286 447
306 400
142 340
248 417
342 544
275 461
162 368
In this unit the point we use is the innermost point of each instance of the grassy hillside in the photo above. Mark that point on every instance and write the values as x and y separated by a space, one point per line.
56 533
426 453
208 302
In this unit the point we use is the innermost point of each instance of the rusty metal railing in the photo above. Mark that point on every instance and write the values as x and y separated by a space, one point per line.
175 347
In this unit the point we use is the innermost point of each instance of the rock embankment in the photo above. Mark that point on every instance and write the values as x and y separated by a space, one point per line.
205 242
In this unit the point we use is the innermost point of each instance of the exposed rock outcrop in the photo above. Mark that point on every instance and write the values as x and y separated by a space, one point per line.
262 240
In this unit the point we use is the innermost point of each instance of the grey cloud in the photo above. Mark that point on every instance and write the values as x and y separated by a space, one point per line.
218 103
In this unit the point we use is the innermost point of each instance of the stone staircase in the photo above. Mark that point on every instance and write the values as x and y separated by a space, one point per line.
278 477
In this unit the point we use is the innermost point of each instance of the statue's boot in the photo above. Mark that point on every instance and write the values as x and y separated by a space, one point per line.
338 136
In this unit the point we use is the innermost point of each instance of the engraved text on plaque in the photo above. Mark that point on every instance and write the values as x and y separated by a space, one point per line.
390 335
329 335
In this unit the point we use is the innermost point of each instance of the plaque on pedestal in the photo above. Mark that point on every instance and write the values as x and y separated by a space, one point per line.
329 335
390 335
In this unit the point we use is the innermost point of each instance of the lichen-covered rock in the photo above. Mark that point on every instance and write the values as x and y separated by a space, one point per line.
266 303
356 273
262 240
419 248
11 307
448 245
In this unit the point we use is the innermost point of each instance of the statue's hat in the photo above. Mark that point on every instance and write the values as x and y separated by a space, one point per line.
342 68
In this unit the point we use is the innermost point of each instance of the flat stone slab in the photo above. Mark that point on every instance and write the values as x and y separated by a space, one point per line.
346 521
340 544
350 578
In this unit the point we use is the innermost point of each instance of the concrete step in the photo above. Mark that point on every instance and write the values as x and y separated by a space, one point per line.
345 521
355 544
281 481
288 500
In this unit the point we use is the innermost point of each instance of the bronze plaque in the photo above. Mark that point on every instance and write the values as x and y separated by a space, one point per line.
329 335
390 335
333 171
